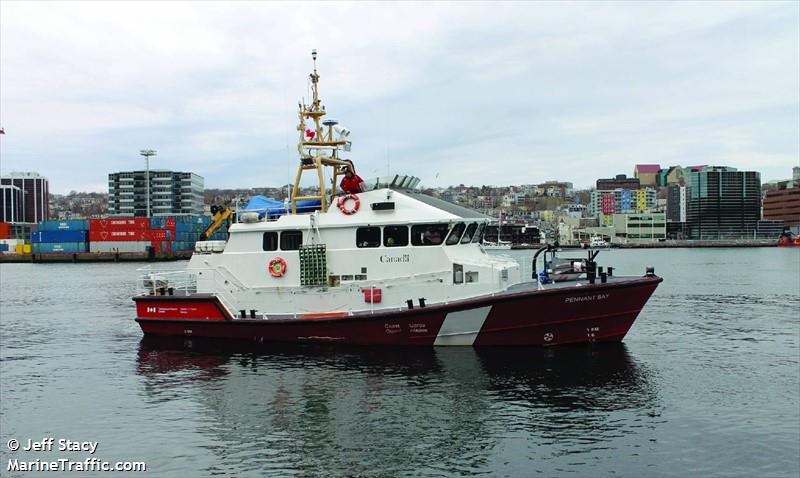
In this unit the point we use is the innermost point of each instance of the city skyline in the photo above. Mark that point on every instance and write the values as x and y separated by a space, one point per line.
474 94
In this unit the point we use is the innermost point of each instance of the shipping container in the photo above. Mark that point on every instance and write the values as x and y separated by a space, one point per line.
159 234
187 236
47 247
119 246
3 247
162 222
58 236
12 243
26 249
182 245
5 230
68 225
19 248
116 235
120 224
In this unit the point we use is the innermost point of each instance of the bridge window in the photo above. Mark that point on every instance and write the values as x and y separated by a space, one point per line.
270 241
479 233
291 240
468 235
455 234
368 237
395 236
428 234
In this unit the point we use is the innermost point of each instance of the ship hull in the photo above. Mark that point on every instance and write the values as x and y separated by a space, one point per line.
563 315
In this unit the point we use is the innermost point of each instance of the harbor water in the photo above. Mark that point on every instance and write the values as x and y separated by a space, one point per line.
707 383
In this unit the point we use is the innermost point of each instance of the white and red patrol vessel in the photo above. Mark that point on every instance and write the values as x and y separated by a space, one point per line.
386 266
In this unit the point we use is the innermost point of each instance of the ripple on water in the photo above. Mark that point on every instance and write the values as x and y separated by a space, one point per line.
705 384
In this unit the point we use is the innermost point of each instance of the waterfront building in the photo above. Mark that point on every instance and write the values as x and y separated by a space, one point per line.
676 203
647 174
723 203
769 229
620 181
35 195
640 227
671 175
783 204
622 201
171 192
10 204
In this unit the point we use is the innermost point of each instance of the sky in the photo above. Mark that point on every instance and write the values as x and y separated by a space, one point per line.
454 93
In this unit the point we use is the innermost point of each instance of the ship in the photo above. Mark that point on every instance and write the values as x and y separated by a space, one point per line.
388 266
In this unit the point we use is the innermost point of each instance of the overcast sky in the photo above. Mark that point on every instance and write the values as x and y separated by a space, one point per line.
473 93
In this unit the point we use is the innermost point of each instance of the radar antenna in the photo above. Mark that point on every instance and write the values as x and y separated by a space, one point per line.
319 145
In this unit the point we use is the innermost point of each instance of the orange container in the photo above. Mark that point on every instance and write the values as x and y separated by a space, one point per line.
5 230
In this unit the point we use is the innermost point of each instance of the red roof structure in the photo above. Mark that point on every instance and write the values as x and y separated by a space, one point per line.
646 168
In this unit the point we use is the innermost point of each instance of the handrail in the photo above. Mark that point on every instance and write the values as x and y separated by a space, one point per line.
232 277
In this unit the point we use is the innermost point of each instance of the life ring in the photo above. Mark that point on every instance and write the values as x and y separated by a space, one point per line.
277 267
343 200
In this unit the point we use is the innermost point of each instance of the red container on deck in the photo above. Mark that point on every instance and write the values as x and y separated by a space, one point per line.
5 230
156 245
372 295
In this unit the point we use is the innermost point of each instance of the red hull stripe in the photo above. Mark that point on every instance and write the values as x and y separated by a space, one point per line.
529 318
203 308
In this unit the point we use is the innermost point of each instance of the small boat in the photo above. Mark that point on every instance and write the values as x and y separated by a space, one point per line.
596 242
499 245
389 266
786 239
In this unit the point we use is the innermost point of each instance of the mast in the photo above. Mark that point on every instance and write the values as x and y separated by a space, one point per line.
318 147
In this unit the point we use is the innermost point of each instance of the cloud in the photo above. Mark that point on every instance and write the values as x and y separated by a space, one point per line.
480 93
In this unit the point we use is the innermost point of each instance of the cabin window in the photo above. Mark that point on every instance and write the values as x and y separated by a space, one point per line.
428 234
270 241
291 240
368 237
478 237
455 234
468 235
395 236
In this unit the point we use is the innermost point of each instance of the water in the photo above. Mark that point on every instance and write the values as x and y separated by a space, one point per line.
707 383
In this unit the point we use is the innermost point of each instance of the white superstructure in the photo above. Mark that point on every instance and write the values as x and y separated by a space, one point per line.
417 247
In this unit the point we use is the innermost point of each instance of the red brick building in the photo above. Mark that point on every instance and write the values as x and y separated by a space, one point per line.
783 204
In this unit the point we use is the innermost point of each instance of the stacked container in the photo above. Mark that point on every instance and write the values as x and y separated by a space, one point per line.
126 234
60 236
10 246
180 233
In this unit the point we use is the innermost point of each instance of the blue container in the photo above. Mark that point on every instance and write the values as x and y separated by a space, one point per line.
58 236
182 245
187 236
46 247
67 225
3 247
